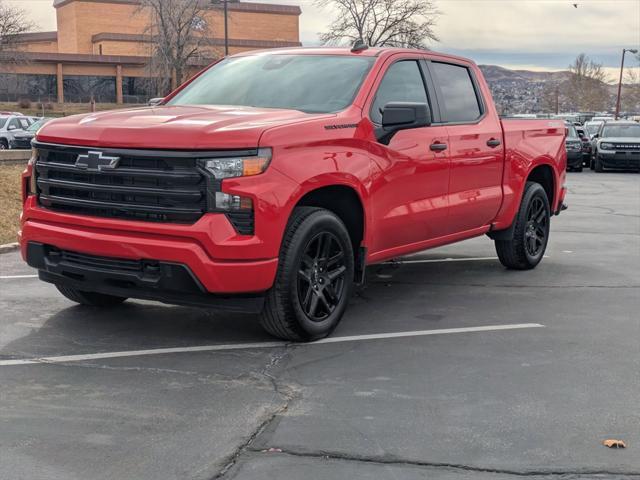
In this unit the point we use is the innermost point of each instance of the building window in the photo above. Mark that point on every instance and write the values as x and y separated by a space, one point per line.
80 89
36 88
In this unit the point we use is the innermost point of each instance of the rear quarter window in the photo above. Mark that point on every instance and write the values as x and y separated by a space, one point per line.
461 103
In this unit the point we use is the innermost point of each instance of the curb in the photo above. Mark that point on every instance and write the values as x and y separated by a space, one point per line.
9 247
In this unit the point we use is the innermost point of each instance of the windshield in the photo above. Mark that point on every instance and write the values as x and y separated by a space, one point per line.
35 126
621 131
592 128
572 133
309 83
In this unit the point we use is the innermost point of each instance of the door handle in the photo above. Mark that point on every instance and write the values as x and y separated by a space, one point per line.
438 147
493 143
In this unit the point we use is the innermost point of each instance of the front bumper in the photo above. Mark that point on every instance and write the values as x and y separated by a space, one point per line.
574 158
20 144
619 159
166 282
222 261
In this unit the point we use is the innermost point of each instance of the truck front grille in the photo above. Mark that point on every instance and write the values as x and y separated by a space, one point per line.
140 185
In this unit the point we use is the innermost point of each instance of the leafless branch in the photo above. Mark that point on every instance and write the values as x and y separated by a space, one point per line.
395 23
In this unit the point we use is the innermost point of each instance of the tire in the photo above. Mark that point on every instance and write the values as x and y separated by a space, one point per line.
314 279
531 231
4 144
598 165
579 169
92 299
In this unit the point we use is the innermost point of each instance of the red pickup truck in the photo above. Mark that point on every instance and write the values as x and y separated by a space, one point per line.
270 180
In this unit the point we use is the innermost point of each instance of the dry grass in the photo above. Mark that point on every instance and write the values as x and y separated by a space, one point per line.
10 202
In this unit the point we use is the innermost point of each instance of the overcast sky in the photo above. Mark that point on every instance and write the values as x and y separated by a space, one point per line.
533 34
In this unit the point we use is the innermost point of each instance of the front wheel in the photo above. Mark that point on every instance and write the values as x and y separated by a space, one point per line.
314 279
531 233
598 165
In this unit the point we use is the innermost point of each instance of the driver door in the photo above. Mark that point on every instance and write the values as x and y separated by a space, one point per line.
410 190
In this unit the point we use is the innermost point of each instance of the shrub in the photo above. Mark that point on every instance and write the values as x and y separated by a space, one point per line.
24 103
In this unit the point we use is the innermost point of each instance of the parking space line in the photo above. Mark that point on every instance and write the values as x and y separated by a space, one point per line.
247 346
11 277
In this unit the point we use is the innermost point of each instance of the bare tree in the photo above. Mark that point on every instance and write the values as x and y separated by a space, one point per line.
178 30
586 88
393 23
13 21
631 89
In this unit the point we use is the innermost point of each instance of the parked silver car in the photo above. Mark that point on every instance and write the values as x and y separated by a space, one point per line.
10 125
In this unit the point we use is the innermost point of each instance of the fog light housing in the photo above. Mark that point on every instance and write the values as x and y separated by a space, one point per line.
226 202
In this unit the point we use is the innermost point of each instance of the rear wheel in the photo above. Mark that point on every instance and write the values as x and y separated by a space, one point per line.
4 144
531 233
90 298
314 279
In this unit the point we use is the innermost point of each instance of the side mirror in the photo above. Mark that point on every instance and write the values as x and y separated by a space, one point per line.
398 116
595 135
155 101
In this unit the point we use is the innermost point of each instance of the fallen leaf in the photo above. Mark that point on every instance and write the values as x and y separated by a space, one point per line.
612 443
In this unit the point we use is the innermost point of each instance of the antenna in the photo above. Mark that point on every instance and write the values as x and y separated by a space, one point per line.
359 46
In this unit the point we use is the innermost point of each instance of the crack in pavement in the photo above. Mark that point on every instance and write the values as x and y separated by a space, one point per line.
393 460
287 391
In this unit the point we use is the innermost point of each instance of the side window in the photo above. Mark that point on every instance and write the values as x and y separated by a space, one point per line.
459 95
402 82
24 123
14 123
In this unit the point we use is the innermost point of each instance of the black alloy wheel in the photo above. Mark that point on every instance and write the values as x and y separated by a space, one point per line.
321 276
537 227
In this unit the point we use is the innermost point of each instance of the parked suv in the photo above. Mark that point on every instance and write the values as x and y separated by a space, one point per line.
10 125
573 144
617 146
271 180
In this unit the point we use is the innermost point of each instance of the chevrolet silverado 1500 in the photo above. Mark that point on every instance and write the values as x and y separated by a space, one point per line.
269 182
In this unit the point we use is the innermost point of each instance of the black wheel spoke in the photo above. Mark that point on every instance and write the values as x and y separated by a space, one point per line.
314 303
338 272
335 259
321 276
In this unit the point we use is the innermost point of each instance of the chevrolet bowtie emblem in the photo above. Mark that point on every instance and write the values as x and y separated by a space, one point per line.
97 161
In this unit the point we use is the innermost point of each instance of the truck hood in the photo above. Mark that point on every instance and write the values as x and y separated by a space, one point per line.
170 127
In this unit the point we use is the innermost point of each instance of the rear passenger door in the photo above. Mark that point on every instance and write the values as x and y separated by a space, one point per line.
475 147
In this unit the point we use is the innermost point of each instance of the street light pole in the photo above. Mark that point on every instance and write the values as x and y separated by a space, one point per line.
624 50
226 30
226 21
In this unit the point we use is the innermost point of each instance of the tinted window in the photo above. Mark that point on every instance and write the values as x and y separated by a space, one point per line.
3 121
401 83
14 123
459 95
309 83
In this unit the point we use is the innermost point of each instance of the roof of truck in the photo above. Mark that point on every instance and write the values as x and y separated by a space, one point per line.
367 52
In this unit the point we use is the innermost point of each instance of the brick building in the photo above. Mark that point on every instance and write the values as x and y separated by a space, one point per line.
101 49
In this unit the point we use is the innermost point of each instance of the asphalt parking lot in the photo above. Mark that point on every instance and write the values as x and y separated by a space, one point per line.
445 366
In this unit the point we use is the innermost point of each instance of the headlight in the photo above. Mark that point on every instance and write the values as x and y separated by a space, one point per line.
606 146
239 166
34 156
